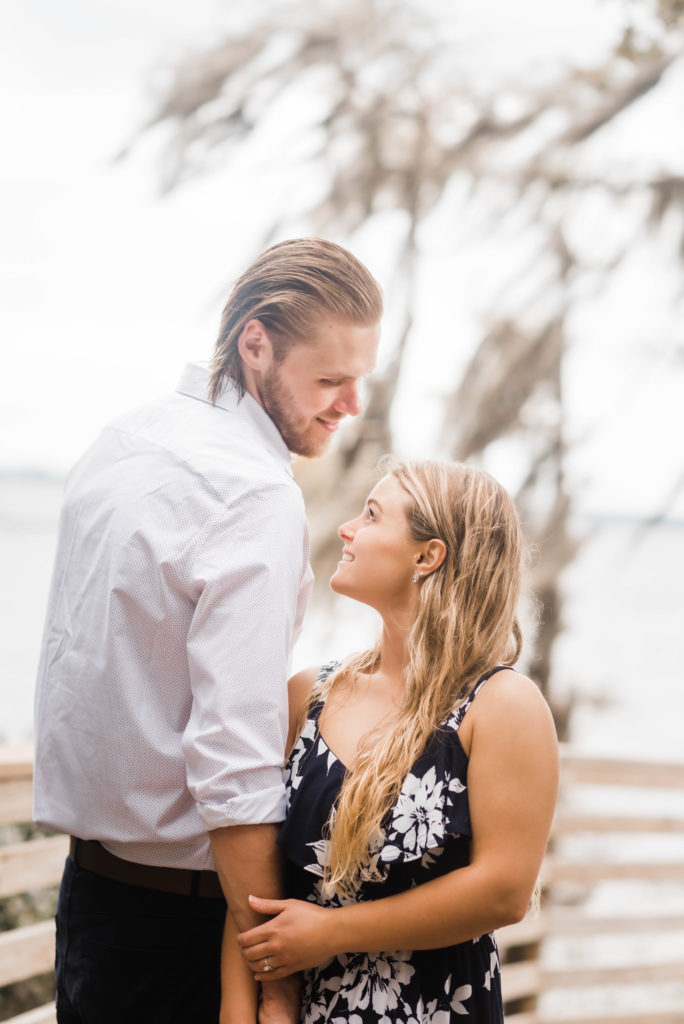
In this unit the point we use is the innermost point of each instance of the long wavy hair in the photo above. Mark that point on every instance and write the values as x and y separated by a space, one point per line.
465 624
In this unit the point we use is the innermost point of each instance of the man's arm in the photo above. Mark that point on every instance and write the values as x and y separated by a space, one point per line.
237 980
247 857
248 570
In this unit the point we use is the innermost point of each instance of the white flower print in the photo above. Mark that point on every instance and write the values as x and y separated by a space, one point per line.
320 848
459 997
391 853
417 821
434 1016
317 999
293 775
422 1014
375 979
493 968
456 786
430 857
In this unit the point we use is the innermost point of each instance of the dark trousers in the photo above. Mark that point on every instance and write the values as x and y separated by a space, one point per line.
127 955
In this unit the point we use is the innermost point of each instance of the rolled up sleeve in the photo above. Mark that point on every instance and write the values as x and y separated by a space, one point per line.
252 579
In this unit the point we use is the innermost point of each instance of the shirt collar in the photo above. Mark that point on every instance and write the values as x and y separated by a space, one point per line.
194 383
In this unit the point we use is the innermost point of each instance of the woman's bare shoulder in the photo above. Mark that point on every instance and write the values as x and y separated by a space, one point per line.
299 689
509 702
302 683
510 687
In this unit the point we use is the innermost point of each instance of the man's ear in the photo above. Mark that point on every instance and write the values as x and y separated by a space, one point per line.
254 346
432 556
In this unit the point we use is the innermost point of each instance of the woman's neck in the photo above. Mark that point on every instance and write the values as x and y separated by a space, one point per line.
394 657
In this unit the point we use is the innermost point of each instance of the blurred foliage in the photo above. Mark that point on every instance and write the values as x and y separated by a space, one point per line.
397 119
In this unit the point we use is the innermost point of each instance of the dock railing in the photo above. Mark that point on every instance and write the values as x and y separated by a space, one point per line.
606 948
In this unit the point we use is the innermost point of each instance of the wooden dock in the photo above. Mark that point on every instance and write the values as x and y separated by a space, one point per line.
606 948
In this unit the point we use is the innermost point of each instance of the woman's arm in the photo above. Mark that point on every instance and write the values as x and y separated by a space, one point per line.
512 786
299 689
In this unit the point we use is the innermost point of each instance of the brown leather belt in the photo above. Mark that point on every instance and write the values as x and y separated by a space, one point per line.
91 855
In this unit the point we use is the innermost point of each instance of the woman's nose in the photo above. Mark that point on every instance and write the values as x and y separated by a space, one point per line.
345 531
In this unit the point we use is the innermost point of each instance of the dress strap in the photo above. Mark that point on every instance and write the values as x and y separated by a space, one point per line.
318 701
492 672
462 708
326 670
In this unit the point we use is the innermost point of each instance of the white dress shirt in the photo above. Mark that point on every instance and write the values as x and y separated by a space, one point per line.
180 582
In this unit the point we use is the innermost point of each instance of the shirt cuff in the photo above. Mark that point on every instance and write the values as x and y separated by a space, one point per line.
266 806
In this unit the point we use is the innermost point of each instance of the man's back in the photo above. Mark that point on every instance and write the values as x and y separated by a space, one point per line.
175 509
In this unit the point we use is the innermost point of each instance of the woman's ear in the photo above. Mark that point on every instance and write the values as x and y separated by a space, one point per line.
254 346
432 556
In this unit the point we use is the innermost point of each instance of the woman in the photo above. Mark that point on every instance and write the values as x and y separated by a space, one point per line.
423 773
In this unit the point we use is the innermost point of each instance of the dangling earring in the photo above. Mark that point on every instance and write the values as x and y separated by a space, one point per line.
416 577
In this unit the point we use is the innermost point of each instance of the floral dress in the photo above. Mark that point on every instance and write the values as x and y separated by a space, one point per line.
425 835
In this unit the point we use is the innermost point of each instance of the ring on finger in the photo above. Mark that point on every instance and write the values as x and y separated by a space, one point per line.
267 965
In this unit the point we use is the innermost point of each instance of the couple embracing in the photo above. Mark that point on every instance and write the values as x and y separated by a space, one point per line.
362 884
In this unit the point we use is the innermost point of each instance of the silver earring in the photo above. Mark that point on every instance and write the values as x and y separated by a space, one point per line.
416 577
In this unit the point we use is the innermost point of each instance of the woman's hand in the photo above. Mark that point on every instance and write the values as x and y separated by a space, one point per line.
298 936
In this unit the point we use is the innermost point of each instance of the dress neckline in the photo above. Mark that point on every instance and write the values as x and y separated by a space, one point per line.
462 708
327 746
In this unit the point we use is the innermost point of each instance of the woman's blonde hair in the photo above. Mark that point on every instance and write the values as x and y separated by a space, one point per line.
466 623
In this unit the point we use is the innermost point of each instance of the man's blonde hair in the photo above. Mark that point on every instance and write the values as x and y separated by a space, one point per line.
289 288
466 623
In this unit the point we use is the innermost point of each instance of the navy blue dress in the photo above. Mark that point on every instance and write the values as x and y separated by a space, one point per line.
426 834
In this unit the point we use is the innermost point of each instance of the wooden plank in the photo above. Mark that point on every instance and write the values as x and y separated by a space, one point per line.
41 1015
36 864
521 979
27 951
568 821
16 800
524 933
16 761
645 1017
562 921
635 974
609 771
555 871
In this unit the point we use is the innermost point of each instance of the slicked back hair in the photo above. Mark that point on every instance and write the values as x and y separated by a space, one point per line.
289 287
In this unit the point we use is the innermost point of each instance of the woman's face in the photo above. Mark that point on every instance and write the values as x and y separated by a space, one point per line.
379 554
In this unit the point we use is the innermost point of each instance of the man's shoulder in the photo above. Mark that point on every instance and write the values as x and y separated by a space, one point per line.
203 441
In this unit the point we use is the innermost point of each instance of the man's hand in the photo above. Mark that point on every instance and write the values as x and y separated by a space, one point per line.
280 1001
298 936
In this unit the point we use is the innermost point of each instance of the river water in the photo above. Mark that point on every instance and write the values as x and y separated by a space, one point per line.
622 652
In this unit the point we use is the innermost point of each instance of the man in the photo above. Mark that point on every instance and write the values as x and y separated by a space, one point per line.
180 582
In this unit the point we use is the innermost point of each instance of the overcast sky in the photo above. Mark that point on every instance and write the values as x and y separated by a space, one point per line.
107 289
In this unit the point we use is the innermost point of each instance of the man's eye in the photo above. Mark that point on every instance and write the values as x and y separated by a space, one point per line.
330 383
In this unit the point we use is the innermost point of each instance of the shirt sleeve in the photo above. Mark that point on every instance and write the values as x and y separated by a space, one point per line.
252 577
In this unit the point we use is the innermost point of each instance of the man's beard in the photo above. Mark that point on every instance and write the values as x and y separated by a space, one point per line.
280 405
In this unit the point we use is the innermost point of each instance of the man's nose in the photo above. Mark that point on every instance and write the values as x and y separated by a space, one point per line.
348 400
